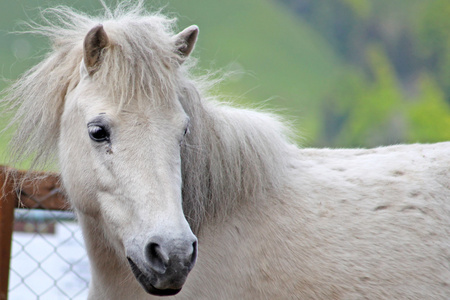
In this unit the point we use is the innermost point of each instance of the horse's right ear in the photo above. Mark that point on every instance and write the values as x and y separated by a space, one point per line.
94 45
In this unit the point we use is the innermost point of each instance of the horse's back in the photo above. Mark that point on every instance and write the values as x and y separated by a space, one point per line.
383 216
349 224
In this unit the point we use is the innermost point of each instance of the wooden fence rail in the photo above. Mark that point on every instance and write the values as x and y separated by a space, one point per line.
21 189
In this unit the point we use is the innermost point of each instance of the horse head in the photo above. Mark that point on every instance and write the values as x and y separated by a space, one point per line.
120 159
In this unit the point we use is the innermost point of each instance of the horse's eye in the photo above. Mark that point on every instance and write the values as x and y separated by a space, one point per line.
98 133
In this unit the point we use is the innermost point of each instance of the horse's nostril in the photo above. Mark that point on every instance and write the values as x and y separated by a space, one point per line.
157 257
194 254
162 255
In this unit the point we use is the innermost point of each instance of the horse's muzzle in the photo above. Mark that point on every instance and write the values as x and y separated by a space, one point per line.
165 266
145 282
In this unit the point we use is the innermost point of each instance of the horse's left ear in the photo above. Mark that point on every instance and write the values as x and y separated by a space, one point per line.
185 41
95 42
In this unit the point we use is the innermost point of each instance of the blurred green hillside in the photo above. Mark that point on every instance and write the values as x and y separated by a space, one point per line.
280 62
286 65
396 83
349 72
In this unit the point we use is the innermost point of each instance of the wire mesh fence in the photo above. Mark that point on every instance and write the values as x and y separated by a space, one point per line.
48 258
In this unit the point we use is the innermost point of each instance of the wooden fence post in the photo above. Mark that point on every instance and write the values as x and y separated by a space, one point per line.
7 203
40 191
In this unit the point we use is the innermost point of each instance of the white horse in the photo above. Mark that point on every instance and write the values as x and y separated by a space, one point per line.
147 162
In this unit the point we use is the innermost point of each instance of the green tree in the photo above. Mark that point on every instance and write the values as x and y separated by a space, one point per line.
429 115
434 40
366 110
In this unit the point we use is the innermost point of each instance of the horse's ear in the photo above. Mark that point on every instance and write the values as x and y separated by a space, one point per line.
95 42
185 41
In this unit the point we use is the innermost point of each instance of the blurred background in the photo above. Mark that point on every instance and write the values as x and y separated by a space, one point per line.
347 73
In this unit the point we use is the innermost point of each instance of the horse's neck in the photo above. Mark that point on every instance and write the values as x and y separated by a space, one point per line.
233 156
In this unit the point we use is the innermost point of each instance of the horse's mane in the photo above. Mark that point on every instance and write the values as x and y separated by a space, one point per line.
230 155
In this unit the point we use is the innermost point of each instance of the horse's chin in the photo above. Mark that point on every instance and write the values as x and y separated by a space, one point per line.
145 281
157 292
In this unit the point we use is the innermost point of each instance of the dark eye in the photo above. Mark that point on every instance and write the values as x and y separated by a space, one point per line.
98 133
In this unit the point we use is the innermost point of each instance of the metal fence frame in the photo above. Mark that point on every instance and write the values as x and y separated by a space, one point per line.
22 189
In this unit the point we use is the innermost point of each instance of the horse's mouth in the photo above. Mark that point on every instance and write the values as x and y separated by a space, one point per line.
144 281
